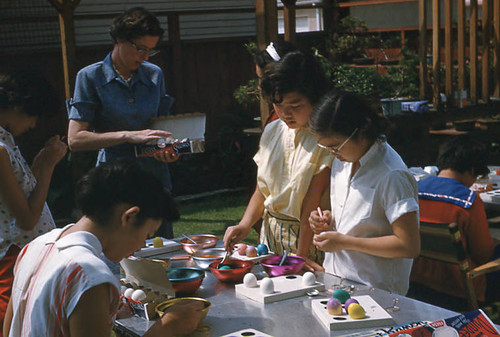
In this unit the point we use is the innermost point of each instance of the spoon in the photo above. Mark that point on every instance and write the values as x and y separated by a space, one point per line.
223 259
285 254
187 237
316 292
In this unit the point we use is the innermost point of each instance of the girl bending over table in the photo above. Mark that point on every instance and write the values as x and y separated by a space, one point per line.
293 172
371 234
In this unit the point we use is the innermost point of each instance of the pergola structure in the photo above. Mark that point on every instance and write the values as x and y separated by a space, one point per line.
267 30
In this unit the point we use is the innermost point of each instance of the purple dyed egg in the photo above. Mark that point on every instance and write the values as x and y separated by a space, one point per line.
349 302
334 307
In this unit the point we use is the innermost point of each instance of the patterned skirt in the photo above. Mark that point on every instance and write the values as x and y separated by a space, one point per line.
281 234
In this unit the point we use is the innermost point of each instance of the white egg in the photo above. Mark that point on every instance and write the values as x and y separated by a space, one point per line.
308 279
138 295
267 286
128 292
250 281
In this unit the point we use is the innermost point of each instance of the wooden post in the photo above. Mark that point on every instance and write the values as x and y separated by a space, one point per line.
496 32
266 13
174 37
66 8
461 44
422 10
435 51
448 50
290 21
486 50
473 51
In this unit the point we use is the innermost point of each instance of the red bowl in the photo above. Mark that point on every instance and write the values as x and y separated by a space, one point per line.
292 265
238 270
185 280
186 288
202 241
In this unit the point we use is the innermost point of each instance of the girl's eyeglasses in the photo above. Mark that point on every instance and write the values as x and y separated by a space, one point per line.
145 51
337 150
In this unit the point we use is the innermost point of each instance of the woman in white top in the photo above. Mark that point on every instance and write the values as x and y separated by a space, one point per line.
293 173
24 215
371 235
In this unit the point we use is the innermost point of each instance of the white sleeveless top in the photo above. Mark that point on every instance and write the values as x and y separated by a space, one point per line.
10 233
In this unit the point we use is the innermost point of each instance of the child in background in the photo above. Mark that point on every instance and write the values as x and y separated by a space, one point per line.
371 235
63 288
24 215
293 173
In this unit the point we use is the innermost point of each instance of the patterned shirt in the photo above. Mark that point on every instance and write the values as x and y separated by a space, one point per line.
51 275
10 233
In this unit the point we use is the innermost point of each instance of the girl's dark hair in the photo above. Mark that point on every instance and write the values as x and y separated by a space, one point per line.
464 154
135 23
295 72
123 181
30 91
340 113
282 47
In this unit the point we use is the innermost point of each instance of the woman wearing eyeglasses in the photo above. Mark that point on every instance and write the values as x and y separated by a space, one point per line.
371 235
116 98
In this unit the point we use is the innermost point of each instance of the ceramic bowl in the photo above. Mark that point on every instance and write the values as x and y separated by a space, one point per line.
238 270
163 306
204 257
185 280
202 241
292 265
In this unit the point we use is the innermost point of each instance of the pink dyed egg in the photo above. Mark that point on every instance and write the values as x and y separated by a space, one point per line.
242 249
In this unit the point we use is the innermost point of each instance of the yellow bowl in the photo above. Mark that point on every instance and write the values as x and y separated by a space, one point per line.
163 306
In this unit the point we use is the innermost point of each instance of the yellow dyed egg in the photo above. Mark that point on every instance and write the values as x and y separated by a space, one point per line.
158 242
356 311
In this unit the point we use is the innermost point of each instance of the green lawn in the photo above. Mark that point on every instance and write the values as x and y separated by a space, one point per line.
212 215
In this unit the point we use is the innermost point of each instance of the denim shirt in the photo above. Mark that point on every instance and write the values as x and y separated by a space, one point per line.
103 99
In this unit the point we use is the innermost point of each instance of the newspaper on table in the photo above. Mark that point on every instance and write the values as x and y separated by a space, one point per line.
472 324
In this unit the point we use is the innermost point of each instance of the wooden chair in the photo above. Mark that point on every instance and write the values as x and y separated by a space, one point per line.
444 243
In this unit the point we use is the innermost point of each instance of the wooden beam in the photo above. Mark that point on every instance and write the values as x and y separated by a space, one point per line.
290 20
486 50
448 36
371 2
473 51
266 13
461 44
496 39
422 50
435 52
174 37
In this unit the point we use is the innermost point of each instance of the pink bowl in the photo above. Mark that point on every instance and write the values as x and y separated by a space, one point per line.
202 241
292 265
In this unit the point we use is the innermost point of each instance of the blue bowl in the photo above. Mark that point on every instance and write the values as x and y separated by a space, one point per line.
185 274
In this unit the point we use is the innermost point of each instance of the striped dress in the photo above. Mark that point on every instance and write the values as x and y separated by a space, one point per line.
50 277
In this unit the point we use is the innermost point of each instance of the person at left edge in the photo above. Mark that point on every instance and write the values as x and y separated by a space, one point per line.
114 99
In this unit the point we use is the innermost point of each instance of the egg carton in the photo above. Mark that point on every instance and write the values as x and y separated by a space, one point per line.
149 276
375 315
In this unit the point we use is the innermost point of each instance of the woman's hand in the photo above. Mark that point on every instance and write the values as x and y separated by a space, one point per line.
312 266
166 156
329 241
235 234
320 224
180 319
53 151
143 136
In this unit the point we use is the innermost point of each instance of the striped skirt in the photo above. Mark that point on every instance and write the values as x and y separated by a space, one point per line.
281 234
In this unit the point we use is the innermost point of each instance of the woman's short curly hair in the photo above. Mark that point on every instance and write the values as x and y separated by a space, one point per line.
135 23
